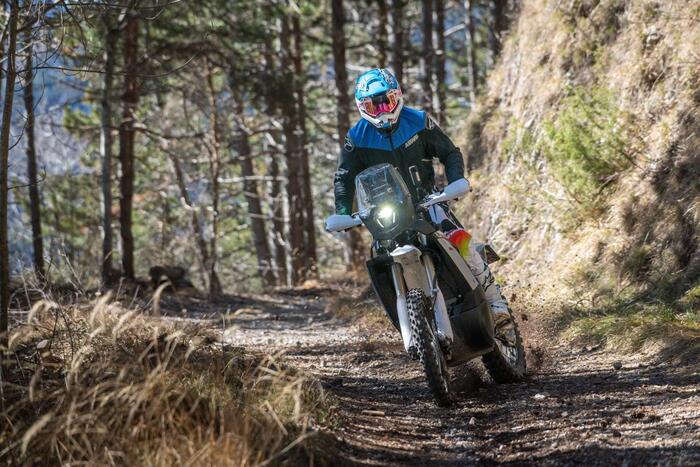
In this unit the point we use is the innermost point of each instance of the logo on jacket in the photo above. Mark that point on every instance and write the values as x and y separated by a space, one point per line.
348 146
411 141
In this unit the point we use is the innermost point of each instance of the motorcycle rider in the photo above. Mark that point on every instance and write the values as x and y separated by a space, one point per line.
409 139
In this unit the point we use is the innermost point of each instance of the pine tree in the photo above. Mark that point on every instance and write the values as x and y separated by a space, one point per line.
130 99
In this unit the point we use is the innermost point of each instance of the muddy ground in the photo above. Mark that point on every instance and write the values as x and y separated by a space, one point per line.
579 406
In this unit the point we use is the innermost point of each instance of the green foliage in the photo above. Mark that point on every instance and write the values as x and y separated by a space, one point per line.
585 143
608 310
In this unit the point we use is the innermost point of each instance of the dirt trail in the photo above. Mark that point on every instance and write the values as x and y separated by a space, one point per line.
576 408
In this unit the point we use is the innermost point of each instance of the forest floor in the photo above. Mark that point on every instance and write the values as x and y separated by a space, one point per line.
578 406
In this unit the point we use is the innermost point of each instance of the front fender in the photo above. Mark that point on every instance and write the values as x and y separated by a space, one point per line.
412 268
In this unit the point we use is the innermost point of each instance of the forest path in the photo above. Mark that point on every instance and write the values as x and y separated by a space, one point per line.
575 408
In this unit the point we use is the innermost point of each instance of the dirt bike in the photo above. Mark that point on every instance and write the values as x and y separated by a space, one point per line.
425 285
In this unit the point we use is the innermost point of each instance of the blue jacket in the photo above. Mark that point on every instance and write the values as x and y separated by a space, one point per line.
414 141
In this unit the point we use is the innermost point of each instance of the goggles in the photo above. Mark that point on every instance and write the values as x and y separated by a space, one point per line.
380 103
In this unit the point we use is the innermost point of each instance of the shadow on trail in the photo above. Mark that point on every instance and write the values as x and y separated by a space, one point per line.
590 414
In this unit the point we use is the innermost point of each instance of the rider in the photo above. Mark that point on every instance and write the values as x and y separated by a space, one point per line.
407 138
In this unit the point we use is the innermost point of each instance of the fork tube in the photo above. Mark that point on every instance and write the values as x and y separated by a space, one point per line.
401 310
442 318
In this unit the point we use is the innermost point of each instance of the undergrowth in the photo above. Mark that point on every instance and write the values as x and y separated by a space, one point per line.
585 143
98 384
667 313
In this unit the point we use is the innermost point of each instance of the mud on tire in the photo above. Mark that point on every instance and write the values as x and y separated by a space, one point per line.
427 347
501 370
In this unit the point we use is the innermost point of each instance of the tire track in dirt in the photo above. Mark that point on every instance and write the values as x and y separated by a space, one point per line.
576 409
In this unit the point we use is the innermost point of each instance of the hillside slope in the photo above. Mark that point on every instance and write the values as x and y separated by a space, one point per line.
584 155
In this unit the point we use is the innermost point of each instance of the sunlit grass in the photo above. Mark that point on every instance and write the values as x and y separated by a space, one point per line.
635 321
99 384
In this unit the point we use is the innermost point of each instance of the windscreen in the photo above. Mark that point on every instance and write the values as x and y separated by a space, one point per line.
379 185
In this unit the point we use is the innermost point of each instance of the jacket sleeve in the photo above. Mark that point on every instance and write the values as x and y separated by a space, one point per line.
349 166
440 145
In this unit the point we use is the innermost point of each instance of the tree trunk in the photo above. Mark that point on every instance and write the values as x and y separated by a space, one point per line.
252 196
194 218
106 151
354 239
440 53
290 123
382 22
214 172
471 50
427 57
4 158
276 201
398 33
251 192
308 201
499 23
278 222
126 140
32 178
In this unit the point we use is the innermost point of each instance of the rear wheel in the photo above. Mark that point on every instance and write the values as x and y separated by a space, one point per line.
506 362
428 347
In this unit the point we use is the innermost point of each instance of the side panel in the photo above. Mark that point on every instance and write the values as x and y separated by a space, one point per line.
379 269
470 314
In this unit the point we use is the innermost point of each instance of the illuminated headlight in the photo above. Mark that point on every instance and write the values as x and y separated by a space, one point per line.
386 216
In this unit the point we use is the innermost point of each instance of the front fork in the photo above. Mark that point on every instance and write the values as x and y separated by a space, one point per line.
412 269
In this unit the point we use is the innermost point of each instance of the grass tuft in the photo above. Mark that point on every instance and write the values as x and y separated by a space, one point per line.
100 384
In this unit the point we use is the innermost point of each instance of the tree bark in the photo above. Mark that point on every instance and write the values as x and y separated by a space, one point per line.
32 177
126 140
440 73
194 218
4 158
472 71
383 13
278 222
290 124
499 23
354 239
214 173
251 192
427 57
276 185
257 219
310 268
398 33
110 39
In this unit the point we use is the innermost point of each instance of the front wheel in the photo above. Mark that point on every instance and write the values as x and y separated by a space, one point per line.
428 347
506 362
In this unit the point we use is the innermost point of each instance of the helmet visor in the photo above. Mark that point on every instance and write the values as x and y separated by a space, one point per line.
378 104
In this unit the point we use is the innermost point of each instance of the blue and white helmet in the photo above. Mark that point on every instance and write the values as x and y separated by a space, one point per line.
378 97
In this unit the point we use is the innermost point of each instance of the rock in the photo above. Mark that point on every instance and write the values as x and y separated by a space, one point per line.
616 434
565 414
539 397
472 421
617 365
42 344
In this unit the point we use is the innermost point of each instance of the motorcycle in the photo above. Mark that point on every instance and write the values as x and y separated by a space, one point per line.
424 283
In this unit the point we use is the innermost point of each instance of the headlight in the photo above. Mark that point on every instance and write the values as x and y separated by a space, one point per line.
386 216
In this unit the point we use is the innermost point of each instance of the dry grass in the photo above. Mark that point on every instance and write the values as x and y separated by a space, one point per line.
100 384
